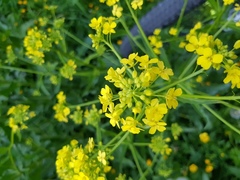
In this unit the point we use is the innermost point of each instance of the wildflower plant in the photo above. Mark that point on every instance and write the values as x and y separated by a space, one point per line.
72 107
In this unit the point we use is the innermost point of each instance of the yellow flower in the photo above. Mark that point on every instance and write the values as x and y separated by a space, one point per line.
106 97
68 70
81 176
173 31
18 115
233 76
227 2
102 157
237 44
163 72
96 23
171 97
114 115
208 58
137 4
117 11
130 125
197 43
154 114
108 27
204 137
193 168
209 168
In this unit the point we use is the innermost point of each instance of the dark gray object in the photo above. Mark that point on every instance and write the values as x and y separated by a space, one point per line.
163 14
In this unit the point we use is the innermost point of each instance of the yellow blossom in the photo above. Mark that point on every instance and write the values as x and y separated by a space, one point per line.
102 157
68 70
106 97
204 137
171 97
130 125
117 11
137 4
227 2
208 58
193 168
154 114
173 31
108 27
237 44
18 115
233 75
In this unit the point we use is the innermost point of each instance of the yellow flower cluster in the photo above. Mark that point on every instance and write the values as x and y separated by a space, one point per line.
61 110
88 163
155 41
213 53
159 145
18 115
102 26
68 70
136 95
209 166
36 43
11 57
93 116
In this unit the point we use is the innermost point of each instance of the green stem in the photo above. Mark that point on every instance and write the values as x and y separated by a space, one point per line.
192 61
190 96
133 150
113 50
77 39
25 70
140 30
179 81
84 104
114 139
225 25
10 154
131 36
221 119
181 15
119 142
150 167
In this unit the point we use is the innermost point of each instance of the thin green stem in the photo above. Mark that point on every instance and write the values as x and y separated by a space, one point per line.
77 39
133 150
140 30
150 167
119 142
190 96
192 61
84 104
113 50
10 153
131 36
221 119
114 139
181 14
25 70
225 25
179 81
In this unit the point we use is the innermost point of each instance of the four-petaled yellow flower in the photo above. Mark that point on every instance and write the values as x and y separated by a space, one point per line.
208 58
130 124
171 97
137 4
108 27
102 157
